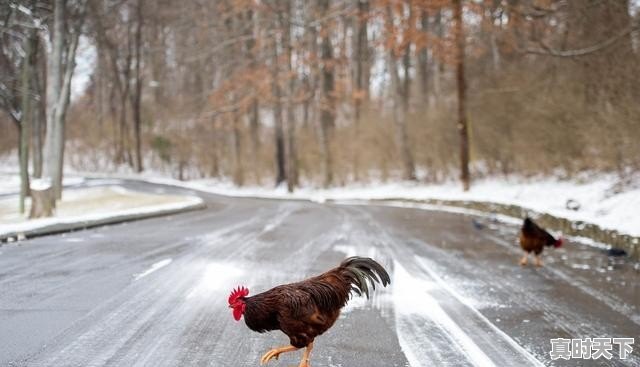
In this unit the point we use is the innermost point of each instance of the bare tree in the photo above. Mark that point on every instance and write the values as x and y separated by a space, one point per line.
327 104
26 116
281 169
361 61
437 67
291 156
462 95
59 72
400 95
136 96
423 55
252 33
20 96
39 106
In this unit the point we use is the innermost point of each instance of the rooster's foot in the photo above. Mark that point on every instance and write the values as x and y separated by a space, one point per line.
275 353
523 261
304 362
538 262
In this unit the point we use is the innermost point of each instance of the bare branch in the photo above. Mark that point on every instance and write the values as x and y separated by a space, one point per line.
548 51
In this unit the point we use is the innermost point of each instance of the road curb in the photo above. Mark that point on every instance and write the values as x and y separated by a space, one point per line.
86 224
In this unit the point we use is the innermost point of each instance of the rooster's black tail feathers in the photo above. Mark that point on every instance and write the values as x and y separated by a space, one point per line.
363 272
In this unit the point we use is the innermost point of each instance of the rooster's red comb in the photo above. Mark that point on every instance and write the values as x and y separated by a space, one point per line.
237 293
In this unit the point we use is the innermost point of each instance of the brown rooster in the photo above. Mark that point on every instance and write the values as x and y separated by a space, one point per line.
533 239
308 308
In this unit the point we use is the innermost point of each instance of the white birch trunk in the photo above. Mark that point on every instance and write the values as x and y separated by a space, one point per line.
59 74
54 86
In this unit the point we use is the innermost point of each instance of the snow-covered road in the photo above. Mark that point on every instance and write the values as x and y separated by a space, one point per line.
154 292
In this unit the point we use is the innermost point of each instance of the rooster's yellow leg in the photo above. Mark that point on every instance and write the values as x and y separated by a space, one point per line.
523 261
305 357
538 261
275 353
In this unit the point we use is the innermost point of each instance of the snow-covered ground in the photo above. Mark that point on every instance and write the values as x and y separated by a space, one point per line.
594 200
10 183
91 204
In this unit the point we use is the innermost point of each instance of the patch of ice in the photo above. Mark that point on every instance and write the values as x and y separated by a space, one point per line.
155 267
467 302
581 266
216 277
74 239
347 250
412 297
277 220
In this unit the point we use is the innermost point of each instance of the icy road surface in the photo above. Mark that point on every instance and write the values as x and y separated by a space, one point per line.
154 292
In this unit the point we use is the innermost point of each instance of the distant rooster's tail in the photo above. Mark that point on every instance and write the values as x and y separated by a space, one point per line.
363 270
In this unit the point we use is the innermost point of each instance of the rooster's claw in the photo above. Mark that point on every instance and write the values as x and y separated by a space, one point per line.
275 353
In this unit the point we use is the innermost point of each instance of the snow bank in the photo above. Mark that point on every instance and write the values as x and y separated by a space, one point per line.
598 202
91 205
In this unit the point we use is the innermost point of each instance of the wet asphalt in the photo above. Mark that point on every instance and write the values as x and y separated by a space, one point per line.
154 292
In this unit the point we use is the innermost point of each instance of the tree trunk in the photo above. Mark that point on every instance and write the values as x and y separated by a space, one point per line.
400 105
38 112
254 131
310 107
292 159
437 65
58 90
423 58
181 166
361 86
42 199
252 32
306 103
495 52
38 105
54 88
406 59
462 96
123 146
120 78
327 105
238 177
65 95
37 141
25 118
109 85
277 118
215 161
137 94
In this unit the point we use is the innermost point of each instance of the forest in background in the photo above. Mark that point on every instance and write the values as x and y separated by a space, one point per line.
324 92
